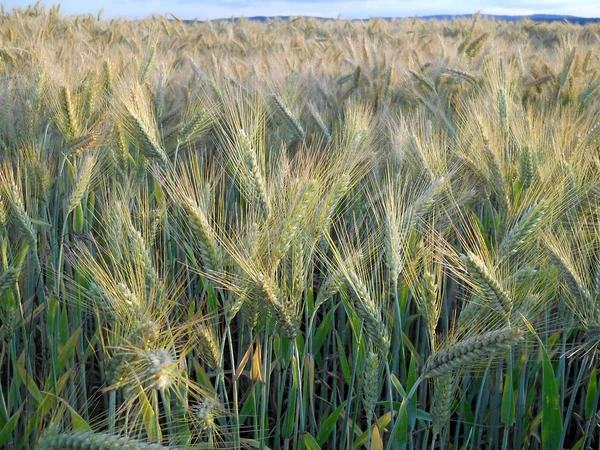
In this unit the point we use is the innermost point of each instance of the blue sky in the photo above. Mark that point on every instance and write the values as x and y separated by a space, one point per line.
212 9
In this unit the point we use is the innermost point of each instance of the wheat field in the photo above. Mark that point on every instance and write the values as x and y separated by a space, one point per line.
298 234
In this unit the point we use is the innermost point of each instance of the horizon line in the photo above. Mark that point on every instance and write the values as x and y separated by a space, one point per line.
539 16
554 17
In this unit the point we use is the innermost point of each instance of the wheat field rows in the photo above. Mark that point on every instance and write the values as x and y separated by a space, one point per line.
298 234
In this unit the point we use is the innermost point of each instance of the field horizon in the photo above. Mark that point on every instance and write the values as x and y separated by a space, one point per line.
500 17
298 234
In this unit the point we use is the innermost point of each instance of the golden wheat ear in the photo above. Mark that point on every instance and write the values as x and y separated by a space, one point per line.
135 113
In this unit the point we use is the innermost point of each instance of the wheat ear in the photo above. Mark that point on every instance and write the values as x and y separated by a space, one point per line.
89 440
487 282
441 403
292 123
470 351
368 312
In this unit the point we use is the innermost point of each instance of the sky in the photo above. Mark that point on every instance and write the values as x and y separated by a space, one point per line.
352 9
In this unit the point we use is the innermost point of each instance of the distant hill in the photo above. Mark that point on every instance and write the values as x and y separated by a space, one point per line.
534 17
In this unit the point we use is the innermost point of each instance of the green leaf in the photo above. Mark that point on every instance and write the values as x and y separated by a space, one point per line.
398 386
288 423
46 404
31 386
328 425
159 193
299 342
508 401
411 410
283 350
322 332
78 422
552 423
552 340
353 319
579 444
51 314
147 414
8 428
408 417
78 219
590 396
63 332
401 437
468 416
211 297
248 407
254 444
202 377
310 301
411 348
310 443
483 231
423 416
343 360
67 350
40 223
70 169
